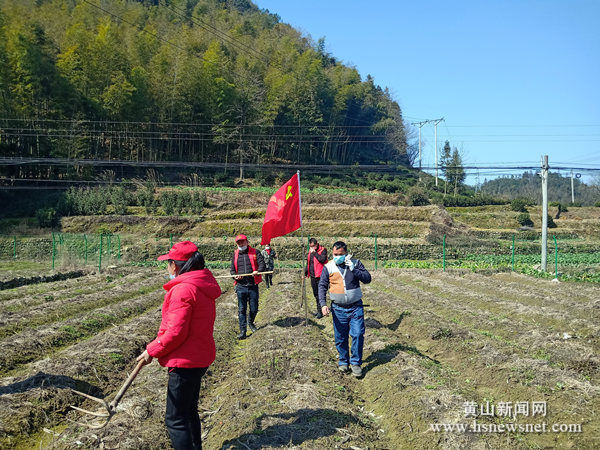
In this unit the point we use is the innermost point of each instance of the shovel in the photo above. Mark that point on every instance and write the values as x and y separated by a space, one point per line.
108 409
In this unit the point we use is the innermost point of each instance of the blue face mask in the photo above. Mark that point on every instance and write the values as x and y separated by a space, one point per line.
172 276
339 260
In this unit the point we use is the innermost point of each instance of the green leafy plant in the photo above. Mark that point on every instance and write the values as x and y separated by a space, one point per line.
168 202
119 199
47 217
519 205
417 197
524 219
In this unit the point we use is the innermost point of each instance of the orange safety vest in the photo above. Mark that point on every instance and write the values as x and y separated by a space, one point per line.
253 263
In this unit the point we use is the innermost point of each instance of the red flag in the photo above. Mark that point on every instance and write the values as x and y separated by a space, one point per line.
284 212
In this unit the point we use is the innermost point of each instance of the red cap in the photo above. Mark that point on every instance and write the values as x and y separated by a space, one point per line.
182 251
241 237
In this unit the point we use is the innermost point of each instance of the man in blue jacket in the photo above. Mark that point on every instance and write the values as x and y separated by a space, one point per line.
342 277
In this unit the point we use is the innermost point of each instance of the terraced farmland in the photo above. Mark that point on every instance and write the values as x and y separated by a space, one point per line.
435 341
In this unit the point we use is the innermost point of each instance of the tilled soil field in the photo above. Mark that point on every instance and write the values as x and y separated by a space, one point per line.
441 350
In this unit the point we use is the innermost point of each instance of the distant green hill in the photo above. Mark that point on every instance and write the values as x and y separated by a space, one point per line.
528 185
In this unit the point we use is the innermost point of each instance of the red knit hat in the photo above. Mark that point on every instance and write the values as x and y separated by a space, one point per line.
182 251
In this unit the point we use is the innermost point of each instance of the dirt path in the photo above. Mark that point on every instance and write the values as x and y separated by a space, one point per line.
283 387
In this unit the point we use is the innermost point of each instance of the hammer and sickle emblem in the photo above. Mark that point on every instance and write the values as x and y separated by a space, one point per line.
289 193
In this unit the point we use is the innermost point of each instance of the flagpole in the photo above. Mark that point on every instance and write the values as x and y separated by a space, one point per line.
302 283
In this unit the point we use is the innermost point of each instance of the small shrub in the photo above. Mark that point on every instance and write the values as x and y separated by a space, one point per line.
47 217
519 205
417 197
182 202
119 199
597 204
478 200
551 223
198 202
104 230
146 199
98 199
168 202
86 201
525 220
266 178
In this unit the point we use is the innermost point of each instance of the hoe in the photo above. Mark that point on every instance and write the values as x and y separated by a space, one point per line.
108 409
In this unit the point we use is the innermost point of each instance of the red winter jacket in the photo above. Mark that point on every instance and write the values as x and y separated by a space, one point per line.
185 337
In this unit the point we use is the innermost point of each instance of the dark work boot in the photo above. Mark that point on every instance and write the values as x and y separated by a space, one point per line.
251 322
318 314
242 334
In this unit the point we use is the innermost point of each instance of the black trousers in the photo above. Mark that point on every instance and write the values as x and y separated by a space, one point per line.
247 296
182 419
269 279
314 282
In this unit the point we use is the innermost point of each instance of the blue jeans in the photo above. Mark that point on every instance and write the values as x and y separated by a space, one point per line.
349 320
181 419
247 295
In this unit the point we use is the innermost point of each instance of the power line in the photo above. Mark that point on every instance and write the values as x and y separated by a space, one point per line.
292 126
221 34
17 161
196 124
525 126
236 43
179 134
142 29
366 167
186 50
349 139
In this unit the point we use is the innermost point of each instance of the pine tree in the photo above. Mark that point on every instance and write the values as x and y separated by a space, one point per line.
445 161
457 171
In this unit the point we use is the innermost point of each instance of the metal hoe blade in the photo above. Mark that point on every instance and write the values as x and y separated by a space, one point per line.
108 410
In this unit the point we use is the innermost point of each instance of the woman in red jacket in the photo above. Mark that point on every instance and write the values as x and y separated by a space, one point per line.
185 343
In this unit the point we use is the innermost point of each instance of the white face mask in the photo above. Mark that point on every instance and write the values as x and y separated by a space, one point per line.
267 247
172 276
241 249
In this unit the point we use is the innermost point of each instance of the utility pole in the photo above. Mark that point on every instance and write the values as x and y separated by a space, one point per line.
435 123
544 211
572 189
420 125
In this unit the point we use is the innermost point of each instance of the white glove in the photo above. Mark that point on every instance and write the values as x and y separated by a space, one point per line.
349 262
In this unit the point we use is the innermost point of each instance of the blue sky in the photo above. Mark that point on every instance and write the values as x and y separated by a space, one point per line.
514 79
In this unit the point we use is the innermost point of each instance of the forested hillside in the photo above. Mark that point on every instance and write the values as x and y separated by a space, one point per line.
528 185
160 80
